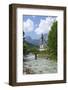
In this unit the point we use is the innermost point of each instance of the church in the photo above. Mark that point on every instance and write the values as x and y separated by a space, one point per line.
43 44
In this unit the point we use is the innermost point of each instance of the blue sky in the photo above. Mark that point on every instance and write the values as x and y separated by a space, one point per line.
34 26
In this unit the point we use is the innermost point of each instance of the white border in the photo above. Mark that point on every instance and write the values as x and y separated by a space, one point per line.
38 77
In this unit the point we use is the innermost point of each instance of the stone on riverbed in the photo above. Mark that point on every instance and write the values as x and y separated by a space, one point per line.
39 66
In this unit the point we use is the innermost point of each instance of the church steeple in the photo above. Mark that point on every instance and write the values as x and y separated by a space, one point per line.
41 43
41 38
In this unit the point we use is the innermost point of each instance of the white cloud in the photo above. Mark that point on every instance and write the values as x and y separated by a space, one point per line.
28 25
44 25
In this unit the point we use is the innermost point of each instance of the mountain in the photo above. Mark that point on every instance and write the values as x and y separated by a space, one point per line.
37 42
32 41
30 44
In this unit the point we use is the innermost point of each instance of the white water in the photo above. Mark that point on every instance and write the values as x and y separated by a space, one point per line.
39 66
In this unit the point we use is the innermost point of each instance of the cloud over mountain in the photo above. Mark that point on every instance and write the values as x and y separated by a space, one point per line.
44 25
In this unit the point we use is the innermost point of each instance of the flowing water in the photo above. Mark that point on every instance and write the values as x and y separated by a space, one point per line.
39 66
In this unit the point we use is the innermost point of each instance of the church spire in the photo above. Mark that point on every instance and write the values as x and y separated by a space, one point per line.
41 38
42 41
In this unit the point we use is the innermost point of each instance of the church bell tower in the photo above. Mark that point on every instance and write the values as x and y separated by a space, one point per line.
41 43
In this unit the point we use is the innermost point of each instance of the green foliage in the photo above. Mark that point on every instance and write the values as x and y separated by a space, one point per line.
29 48
52 41
25 49
34 50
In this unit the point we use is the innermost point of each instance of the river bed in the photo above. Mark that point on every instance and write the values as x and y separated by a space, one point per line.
39 66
